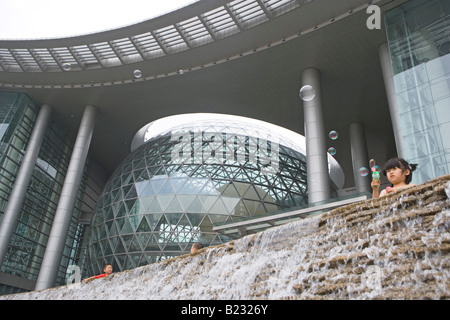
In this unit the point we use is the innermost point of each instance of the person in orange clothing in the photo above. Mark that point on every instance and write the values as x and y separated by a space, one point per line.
108 269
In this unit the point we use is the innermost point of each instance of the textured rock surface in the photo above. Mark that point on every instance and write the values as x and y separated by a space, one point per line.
396 247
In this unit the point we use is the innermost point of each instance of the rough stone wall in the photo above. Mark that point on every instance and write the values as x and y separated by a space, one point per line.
398 245
395 247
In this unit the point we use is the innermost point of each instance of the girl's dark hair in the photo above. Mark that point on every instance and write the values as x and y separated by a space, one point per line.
402 164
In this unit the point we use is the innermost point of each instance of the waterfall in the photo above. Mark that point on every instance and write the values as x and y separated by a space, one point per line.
395 247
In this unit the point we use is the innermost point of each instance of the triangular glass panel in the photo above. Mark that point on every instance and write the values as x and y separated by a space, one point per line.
117 195
153 219
230 203
109 214
144 203
108 225
177 183
152 244
251 194
108 249
208 202
119 223
126 189
209 188
120 248
240 210
126 168
122 211
143 226
241 188
260 210
137 175
134 245
154 207
184 221
162 225
164 200
148 190
133 260
132 194
173 218
196 206
134 221
113 230
206 224
145 175
126 228
129 204
174 206
126 179
218 207
158 182
126 239
166 188
185 200
139 164
142 238
229 191
121 260
188 188
195 218
113 241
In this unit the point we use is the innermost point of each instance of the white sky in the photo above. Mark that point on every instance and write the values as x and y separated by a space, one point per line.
41 19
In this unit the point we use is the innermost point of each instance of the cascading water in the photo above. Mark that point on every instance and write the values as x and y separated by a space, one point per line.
396 247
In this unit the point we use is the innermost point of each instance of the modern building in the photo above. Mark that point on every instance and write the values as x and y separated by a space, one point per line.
190 172
79 116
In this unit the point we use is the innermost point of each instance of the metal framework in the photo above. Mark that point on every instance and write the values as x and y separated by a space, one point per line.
154 206
210 26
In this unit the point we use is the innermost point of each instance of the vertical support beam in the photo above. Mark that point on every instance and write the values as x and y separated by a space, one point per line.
66 204
360 156
22 181
316 151
388 76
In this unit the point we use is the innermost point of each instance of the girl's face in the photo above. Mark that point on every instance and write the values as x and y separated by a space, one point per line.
397 175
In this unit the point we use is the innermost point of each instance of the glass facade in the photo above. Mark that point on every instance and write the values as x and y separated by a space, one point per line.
27 246
418 35
184 179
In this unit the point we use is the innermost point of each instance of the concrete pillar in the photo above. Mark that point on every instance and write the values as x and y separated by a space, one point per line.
12 211
60 227
316 149
388 76
360 156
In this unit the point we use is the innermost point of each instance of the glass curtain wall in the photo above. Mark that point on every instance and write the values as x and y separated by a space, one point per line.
23 259
418 35
157 204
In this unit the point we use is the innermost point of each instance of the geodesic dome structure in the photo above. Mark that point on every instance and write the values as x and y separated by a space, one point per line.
187 173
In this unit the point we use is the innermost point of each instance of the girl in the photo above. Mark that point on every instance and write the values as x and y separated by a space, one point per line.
399 174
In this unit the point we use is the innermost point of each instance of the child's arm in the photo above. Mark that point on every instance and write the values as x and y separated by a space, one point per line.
375 188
